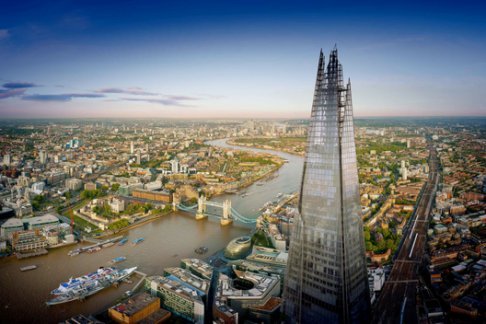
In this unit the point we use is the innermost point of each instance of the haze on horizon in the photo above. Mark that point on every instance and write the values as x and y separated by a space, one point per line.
238 59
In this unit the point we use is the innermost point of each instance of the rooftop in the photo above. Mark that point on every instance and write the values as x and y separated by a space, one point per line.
135 304
13 222
204 268
177 287
187 277
262 285
160 316
47 218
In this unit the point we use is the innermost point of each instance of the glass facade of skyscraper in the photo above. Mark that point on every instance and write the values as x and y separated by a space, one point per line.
326 278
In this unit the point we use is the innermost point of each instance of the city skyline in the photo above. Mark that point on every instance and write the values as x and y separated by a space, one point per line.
239 60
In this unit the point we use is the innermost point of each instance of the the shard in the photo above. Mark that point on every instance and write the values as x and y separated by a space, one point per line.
326 279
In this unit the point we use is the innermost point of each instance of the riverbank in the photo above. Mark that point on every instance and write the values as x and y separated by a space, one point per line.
285 180
265 171
146 220
254 180
263 147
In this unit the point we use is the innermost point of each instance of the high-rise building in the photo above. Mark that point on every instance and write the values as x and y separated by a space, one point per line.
326 279
131 147
7 159
43 156
174 166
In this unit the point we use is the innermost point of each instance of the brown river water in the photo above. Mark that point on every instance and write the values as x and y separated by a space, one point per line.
167 240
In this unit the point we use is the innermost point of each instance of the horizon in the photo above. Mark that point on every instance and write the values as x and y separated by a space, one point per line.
361 121
244 118
239 60
241 118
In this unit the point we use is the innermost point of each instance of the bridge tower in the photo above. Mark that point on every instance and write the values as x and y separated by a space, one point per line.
175 202
226 219
201 208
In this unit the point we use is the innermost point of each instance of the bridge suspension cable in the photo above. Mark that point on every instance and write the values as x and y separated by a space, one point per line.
187 208
242 218
234 213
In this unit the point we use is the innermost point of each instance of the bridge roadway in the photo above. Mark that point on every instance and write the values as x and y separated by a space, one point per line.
396 303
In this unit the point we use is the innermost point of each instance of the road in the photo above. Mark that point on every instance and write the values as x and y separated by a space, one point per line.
396 303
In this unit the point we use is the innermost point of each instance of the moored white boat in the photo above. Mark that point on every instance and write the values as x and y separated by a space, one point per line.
87 285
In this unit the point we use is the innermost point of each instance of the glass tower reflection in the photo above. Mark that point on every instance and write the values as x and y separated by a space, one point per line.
326 279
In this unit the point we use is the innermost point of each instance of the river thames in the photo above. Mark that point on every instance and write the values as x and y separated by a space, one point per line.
167 240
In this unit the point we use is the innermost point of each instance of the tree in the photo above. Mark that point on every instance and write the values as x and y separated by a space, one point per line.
367 235
369 246
38 201
104 210
386 232
381 245
91 194
147 208
115 187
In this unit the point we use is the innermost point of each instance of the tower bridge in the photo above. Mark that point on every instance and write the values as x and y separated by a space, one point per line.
229 214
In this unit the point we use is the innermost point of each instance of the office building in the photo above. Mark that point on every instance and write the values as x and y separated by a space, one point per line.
7 159
139 157
198 267
139 308
185 276
11 226
177 297
74 184
30 240
326 280
38 187
42 157
174 166
153 195
251 294
39 222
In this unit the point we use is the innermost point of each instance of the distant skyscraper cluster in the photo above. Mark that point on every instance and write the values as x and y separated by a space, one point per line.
326 280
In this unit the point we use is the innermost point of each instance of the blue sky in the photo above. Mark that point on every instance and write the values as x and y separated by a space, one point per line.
226 59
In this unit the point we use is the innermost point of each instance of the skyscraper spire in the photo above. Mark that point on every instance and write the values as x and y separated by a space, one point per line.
326 279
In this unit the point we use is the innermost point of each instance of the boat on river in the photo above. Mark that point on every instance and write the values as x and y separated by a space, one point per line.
76 283
94 249
28 268
118 259
123 241
74 252
87 285
138 240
